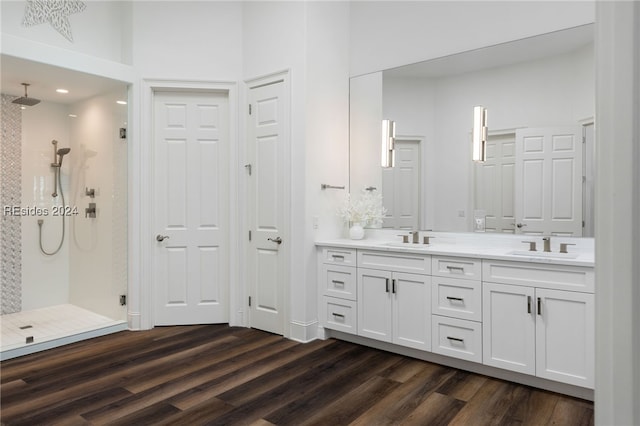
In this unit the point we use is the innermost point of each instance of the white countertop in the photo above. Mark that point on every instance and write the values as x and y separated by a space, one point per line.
473 249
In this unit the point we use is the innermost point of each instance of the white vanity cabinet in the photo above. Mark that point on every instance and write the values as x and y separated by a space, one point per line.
532 327
457 307
394 307
337 285
534 318
394 298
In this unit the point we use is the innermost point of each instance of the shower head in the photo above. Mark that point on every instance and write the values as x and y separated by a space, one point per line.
61 153
26 100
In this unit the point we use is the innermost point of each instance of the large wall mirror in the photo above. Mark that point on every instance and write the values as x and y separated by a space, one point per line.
538 178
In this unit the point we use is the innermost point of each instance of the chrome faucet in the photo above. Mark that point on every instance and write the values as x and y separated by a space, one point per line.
415 236
547 244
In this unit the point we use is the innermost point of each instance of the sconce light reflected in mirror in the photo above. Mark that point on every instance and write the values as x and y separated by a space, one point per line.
479 134
388 137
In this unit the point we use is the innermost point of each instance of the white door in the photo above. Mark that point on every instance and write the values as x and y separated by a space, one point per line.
494 184
565 346
374 304
548 181
267 147
411 309
508 327
191 199
401 187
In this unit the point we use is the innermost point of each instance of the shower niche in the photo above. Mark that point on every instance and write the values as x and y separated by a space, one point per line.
64 249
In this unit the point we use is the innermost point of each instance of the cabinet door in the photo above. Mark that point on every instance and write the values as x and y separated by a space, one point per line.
508 314
374 304
411 309
565 337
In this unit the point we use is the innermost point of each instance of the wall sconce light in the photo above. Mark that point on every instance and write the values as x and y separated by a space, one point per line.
388 137
479 134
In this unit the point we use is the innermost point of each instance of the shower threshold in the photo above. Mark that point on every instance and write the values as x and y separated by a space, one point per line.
37 330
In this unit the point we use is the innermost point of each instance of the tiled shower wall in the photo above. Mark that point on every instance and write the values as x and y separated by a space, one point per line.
10 195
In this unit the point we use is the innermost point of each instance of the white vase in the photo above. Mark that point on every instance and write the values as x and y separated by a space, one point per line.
356 232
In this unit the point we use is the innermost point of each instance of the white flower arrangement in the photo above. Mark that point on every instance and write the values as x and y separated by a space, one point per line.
367 211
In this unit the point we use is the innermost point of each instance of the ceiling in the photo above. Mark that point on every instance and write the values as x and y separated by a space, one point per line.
45 79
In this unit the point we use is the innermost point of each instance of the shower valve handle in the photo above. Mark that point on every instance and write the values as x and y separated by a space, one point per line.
161 238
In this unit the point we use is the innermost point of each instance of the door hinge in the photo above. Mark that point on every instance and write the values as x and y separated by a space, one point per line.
584 139
249 300
583 224
249 109
249 235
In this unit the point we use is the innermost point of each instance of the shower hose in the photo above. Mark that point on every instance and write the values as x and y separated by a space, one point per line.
62 215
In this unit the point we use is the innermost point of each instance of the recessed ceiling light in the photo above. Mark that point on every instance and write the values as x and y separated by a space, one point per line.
62 91
121 102
73 116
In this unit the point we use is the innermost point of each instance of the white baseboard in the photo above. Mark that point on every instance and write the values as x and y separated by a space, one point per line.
303 332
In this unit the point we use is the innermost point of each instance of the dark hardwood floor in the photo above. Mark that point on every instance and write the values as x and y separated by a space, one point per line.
222 375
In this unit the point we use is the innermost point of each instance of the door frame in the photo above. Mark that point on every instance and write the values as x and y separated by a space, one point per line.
285 250
141 314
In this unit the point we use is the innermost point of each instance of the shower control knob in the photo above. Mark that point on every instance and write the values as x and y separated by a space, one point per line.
161 238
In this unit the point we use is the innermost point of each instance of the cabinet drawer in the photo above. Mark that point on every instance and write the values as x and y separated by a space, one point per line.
457 267
457 338
339 256
339 281
340 314
560 277
456 298
396 262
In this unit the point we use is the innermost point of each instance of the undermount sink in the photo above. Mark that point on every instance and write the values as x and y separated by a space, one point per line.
543 254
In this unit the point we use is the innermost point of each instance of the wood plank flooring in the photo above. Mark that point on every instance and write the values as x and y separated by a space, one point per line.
220 375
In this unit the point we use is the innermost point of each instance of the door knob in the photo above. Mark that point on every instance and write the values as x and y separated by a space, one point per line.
277 240
161 238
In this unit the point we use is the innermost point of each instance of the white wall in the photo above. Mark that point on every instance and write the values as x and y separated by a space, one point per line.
98 246
617 231
327 132
386 34
187 40
100 30
293 36
45 279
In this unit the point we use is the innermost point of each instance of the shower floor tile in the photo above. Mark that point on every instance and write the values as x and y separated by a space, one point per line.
45 324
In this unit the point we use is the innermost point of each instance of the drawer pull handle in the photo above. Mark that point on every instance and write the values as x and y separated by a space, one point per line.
393 286
528 304
386 286
457 299
539 306
337 256
336 282
338 315
455 339
455 268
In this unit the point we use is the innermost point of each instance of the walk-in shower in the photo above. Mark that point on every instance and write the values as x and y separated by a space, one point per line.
58 155
48 300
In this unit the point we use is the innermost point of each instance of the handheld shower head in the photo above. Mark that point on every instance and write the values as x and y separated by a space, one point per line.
61 153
